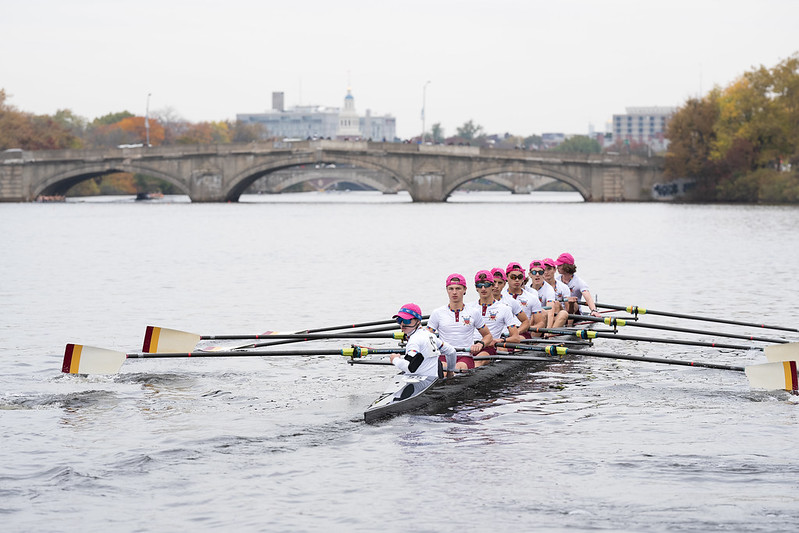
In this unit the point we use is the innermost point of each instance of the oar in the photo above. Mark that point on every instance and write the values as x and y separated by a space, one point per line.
616 322
81 359
636 310
560 350
163 340
589 334
774 352
769 376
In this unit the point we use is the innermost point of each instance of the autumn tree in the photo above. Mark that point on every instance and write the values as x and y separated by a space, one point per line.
32 132
437 133
243 132
692 138
579 143
469 131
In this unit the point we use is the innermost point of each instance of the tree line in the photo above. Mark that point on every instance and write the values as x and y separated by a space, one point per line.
740 143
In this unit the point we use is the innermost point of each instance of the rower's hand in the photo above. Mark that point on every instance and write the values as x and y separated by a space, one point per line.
596 312
450 374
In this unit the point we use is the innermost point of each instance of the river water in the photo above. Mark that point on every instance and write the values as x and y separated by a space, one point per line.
279 444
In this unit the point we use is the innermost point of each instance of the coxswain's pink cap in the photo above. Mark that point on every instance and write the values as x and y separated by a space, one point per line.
549 262
537 263
456 279
409 311
565 259
483 276
514 266
499 272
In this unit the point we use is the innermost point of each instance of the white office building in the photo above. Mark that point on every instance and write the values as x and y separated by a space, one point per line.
645 125
319 122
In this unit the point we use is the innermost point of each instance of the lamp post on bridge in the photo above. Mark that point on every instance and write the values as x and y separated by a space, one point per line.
147 120
424 101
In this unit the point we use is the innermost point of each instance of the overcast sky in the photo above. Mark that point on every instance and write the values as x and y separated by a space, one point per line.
522 67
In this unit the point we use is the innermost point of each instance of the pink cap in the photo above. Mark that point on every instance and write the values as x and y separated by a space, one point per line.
514 266
549 262
537 263
565 259
456 279
409 311
483 276
498 272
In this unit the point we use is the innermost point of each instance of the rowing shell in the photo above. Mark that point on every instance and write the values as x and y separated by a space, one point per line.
404 393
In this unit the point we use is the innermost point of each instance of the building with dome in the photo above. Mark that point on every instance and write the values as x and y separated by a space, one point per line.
319 122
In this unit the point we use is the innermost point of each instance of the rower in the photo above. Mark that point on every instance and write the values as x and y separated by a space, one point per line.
456 324
498 315
500 281
423 348
556 315
528 300
578 287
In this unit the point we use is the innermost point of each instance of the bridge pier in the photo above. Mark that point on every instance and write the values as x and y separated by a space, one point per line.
428 188
206 186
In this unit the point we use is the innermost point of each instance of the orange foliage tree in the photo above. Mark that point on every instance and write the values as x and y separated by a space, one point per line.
136 126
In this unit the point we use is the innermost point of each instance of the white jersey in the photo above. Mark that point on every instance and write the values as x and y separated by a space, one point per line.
528 300
546 293
498 316
422 352
456 328
576 288
562 291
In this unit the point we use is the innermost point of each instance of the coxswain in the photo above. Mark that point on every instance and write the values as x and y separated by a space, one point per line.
556 315
455 323
529 300
497 315
422 348
579 288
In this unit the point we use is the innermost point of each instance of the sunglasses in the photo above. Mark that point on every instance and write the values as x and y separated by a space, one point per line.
484 285
536 272
515 277
405 321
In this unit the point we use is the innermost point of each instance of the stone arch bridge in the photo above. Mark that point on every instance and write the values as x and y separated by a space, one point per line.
430 173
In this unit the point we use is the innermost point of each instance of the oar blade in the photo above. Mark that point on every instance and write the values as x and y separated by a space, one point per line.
773 376
165 340
80 359
782 352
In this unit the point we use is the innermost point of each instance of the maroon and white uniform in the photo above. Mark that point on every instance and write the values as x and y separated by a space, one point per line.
498 316
546 294
529 302
457 328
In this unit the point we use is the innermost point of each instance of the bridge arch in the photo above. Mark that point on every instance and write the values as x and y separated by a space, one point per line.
538 171
241 181
311 174
60 183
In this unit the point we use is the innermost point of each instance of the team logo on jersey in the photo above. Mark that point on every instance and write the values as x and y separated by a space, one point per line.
467 320
492 315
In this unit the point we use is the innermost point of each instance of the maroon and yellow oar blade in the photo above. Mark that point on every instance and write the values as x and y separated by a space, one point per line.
773 376
782 352
165 340
80 359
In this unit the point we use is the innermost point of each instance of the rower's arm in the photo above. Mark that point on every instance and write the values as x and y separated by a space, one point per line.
513 334
525 321
589 300
487 340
